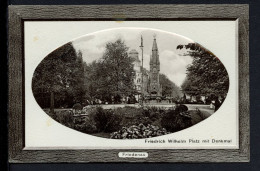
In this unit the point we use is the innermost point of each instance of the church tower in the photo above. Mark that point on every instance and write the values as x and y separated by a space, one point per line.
155 88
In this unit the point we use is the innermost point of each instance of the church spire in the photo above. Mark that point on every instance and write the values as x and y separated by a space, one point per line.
154 71
155 54
154 44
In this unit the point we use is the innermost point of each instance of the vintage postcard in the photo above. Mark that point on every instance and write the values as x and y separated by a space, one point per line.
131 84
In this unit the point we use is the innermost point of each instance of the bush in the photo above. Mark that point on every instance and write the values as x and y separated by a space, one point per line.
97 119
146 115
181 108
86 125
77 106
153 113
64 117
107 120
174 121
128 111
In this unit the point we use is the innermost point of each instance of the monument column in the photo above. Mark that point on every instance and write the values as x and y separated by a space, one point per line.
154 70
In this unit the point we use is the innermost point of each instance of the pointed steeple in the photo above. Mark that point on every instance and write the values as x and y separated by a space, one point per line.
154 44
155 54
155 89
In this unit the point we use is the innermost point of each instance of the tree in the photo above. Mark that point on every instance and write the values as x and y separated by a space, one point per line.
112 75
59 77
206 75
168 87
93 73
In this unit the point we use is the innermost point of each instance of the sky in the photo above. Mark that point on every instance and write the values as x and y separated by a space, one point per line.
173 63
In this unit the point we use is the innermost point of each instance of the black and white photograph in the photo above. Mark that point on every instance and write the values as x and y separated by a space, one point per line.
101 87
130 83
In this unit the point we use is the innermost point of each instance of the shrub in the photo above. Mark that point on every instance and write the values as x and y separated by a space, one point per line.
65 118
181 108
139 120
86 125
77 106
174 120
113 121
146 115
128 111
107 120
153 113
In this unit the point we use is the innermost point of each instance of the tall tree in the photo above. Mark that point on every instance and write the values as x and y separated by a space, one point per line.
93 73
60 76
206 75
168 87
113 74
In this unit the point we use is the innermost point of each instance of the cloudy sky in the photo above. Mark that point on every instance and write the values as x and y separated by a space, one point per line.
173 64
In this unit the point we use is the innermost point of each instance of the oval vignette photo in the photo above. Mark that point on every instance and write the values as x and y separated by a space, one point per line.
130 83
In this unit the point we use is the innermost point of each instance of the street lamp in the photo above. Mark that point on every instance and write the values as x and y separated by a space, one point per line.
142 48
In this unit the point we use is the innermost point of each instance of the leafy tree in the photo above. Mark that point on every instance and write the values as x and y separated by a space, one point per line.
112 75
93 72
59 78
206 75
168 88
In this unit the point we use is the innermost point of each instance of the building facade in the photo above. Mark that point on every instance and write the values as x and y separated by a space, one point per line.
151 86
137 68
139 71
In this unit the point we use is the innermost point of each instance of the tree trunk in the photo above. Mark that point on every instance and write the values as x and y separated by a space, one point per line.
52 103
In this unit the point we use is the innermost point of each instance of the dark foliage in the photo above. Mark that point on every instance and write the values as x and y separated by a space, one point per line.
112 75
172 121
153 113
65 118
60 73
77 106
148 121
85 124
107 120
206 75
169 88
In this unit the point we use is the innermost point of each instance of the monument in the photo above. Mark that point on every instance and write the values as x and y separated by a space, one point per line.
155 87
147 83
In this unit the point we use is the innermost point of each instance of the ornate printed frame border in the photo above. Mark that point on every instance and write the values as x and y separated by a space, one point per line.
170 12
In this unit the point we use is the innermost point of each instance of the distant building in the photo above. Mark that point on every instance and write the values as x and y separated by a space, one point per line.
138 75
137 68
151 86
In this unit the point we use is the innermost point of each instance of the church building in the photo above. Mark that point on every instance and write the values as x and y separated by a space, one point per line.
151 85
155 87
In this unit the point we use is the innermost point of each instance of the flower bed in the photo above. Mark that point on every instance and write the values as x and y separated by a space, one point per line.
139 131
